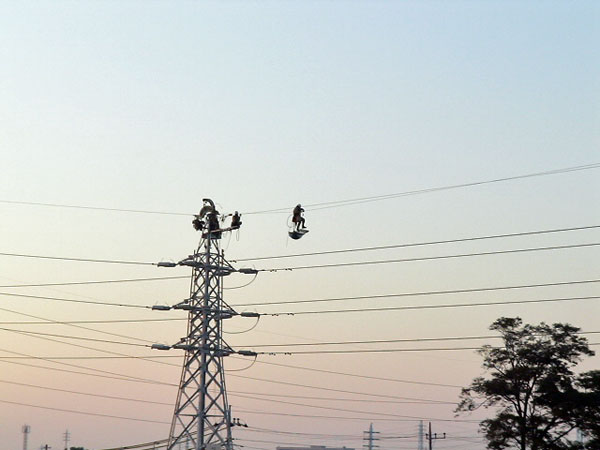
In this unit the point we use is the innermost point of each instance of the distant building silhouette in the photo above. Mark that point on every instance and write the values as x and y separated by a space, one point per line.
314 447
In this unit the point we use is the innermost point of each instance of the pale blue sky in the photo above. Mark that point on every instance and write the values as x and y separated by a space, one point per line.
153 105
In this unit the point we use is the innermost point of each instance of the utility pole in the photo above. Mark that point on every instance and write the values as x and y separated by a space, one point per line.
67 438
421 435
202 416
432 437
26 430
368 436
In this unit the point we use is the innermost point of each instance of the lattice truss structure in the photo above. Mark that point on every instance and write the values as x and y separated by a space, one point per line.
202 417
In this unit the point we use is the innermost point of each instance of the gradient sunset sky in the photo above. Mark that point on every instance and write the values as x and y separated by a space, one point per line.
260 105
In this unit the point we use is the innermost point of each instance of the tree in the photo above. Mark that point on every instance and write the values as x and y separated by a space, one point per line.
539 401
586 408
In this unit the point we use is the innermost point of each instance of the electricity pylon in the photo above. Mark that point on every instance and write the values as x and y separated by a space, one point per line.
370 438
202 418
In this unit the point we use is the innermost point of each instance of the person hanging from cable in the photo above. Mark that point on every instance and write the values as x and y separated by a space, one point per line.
297 217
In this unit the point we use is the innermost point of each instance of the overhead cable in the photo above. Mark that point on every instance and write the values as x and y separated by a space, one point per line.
284 302
99 371
91 321
338 399
88 394
381 419
377 350
431 258
359 200
100 321
329 408
72 324
420 293
323 205
354 375
422 244
449 305
121 377
62 258
327 252
78 283
88 302
95 208
97 375
104 341
110 416
329 389
387 341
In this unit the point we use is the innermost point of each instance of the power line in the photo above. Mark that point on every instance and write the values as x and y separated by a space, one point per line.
338 399
382 419
240 376
78 283
75 372
144 380
355 201
95 208
122 377
261 362
73 324
82 412
299 344
283 302
89 394
329 389
104 341
380 350
61 299
358 263
100 371
387 341
297 433
431 258
328 252
83 358
81 346
420 293
323 205
329 408
453 305
370 377
62 258
422 244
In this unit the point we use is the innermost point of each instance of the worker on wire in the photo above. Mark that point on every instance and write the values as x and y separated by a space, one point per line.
298 228
297 217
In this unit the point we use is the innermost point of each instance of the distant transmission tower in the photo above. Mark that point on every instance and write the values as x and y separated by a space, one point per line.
369 436
421 435
67 438
26 430
202 418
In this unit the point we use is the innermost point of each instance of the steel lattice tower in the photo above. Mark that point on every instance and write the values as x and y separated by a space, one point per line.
202 417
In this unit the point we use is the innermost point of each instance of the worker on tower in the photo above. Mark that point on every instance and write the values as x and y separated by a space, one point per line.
236 221
213 220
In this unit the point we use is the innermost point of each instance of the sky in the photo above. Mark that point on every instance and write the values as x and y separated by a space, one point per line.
260 105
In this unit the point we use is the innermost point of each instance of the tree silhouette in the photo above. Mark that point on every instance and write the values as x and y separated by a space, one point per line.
538 399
